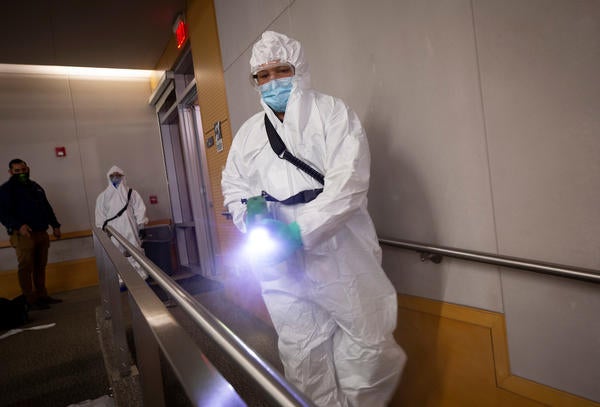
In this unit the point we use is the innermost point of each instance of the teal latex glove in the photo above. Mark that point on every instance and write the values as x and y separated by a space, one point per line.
280 241
256 209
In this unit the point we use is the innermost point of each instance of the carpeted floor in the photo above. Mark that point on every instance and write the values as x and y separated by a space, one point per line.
63 365
259 337
58 366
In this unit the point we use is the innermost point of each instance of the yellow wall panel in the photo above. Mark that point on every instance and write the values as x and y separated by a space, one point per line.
227 233
206 55
458 356
210 84
63 276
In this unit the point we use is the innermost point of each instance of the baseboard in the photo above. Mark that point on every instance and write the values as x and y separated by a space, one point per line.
61 276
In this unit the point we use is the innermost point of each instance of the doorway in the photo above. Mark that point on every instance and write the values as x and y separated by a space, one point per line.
180 123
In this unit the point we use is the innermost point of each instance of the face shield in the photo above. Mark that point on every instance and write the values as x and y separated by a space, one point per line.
265 73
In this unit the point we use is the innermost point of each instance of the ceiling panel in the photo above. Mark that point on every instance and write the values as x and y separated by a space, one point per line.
108 33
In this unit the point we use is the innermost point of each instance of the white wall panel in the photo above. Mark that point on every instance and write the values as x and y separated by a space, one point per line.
45 98
36 115
553 331
539 68
243 98
540 64
115 126
240 24
452 280
414 83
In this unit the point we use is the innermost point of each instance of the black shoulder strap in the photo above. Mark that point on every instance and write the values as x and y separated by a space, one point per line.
120 212
282 152
301 197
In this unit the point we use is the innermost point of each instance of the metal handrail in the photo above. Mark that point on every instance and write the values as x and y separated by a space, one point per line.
265 375
576 273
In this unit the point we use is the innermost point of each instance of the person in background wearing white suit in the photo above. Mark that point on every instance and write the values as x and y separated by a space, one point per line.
111 201
330 301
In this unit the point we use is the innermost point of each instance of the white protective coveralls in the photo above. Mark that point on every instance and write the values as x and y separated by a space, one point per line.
110 202
334 309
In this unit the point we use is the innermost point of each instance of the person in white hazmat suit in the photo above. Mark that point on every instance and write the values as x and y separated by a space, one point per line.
333 307
111 201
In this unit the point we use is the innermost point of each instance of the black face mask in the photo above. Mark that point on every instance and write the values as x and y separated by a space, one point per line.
22 178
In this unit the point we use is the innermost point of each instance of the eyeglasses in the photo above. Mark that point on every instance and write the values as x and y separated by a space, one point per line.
267 73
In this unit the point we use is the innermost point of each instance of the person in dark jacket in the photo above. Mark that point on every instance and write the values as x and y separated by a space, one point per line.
26 214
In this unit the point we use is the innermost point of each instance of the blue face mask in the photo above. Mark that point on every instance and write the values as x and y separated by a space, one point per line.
115 181
276 93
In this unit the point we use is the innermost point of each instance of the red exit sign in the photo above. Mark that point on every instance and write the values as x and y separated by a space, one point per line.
181 32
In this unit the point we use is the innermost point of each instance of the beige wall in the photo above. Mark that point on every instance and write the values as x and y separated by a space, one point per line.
100 122
483 119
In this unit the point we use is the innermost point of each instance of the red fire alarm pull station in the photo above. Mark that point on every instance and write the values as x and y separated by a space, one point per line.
60 152
153 199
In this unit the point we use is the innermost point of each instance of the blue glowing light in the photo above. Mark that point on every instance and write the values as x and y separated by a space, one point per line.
260 244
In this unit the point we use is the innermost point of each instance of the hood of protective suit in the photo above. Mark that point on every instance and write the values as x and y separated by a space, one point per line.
273 46
112 170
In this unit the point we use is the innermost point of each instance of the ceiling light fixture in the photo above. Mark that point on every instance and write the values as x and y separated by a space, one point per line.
76 71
